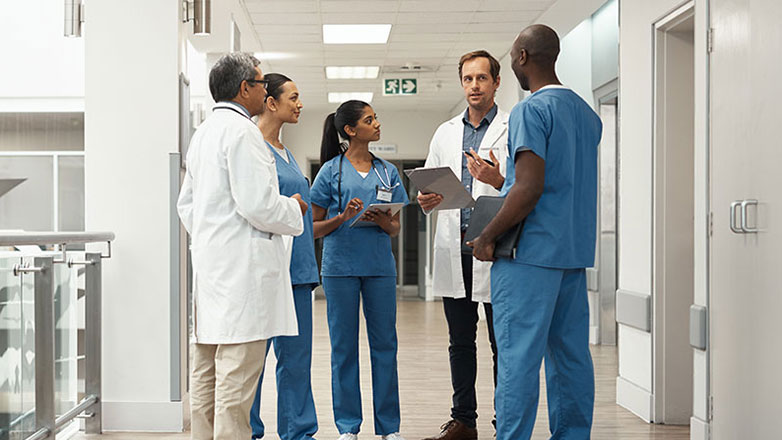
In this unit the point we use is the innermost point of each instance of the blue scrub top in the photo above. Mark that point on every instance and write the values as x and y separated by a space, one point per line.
304 267
360 251
562 129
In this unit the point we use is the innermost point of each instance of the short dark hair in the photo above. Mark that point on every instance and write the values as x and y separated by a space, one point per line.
228 73
494 65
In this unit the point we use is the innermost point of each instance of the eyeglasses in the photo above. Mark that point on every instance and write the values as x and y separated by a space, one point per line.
265 82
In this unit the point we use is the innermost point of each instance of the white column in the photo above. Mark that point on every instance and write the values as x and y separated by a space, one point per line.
133 53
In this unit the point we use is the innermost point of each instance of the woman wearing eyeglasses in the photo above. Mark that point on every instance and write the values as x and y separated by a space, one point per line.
358 265
296 419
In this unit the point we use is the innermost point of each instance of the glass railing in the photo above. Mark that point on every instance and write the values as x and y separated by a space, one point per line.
50 324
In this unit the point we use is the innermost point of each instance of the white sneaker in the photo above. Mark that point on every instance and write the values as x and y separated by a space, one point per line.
393 436
348 436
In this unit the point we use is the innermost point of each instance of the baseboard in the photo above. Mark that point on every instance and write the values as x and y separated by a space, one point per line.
634 398
699 430
594 335
143 416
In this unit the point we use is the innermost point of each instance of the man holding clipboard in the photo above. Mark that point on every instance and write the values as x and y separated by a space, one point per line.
474 146
540 295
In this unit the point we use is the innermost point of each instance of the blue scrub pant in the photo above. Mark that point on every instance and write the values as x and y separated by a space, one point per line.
296 417
343 295
542 312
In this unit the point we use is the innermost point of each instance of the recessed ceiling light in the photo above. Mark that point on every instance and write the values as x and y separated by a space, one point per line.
352 72
356 33
271 56
340 97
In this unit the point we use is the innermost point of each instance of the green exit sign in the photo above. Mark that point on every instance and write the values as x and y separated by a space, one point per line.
400 86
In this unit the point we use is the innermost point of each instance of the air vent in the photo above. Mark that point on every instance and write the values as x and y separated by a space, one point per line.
409 68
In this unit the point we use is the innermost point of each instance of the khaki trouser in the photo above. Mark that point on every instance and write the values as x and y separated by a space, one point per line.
223 382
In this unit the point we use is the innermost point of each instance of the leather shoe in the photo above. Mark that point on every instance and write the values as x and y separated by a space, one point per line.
455 430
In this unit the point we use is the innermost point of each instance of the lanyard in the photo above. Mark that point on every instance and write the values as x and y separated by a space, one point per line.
232 108
339 182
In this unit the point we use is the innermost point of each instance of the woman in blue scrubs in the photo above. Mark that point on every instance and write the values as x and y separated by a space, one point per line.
296 417
358 265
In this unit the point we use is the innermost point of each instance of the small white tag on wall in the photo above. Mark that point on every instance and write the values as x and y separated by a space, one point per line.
382 149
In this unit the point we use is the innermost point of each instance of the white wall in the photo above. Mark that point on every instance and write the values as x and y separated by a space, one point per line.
574 66
409 131
42 70
131 108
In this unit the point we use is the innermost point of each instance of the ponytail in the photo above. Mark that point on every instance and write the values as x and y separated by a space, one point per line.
330 145
334 127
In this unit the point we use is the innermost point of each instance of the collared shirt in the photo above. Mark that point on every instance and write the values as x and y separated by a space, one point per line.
556 125
236 106
473 136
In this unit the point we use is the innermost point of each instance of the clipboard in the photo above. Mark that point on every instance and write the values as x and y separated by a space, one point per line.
358 223
486 208
443 181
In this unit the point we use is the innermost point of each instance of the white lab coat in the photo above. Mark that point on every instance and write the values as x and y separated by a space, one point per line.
446 150
241 230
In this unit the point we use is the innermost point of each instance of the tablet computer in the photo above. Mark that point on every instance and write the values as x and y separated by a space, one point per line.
393 207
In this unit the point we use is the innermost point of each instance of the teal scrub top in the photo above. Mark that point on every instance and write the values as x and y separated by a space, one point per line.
304 267
563 130
360 251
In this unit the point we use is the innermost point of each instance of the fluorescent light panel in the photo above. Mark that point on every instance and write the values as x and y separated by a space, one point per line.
356 33
340 97
352 72
272 56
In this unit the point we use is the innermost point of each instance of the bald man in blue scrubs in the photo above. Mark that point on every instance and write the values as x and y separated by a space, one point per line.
540 297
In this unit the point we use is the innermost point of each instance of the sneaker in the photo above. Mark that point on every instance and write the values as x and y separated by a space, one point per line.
348 436
393 436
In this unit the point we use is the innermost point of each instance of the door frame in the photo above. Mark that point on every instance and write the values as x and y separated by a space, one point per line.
665 409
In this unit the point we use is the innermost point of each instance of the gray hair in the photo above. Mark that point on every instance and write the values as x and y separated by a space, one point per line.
228 73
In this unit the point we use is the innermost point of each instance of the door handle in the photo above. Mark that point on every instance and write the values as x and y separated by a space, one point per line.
744 227
733 226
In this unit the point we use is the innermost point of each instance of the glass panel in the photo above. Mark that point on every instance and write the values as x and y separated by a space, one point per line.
28 351
29 205
10 346
71 193
17 351
66 316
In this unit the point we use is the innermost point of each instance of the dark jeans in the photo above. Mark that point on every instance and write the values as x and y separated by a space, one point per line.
462 317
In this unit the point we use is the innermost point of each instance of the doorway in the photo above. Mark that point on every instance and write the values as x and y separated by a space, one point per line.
673 215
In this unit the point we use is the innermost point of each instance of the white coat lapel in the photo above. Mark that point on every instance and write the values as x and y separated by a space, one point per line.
497 128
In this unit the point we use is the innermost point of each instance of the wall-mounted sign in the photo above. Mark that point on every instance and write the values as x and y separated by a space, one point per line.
400 86
382 149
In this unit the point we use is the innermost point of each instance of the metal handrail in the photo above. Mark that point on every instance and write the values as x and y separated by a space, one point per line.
53 238
40 268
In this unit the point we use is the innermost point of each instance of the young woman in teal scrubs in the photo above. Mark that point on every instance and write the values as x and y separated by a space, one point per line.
296 419
358 265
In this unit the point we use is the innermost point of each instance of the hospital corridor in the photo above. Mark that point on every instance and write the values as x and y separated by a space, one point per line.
391 219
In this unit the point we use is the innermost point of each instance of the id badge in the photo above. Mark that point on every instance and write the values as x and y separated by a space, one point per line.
384 195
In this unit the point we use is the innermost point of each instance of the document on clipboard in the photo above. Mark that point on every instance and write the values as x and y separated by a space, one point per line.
393 207
443 181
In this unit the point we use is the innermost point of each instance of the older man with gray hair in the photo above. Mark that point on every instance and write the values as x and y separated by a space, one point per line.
240 228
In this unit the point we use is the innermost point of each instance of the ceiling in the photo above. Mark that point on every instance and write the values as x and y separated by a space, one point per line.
432 34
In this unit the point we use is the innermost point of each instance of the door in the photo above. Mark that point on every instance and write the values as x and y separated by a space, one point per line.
745 301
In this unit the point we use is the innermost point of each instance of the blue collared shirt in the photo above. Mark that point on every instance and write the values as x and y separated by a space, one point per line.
556 125
473 136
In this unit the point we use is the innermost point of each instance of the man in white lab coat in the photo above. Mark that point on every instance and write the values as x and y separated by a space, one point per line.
240 228
474 145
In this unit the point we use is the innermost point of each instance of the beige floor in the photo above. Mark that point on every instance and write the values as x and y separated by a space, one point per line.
425 389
